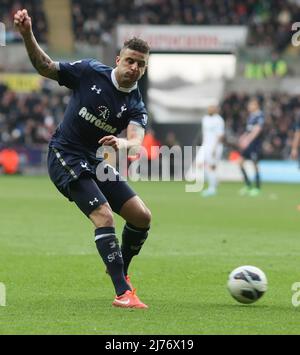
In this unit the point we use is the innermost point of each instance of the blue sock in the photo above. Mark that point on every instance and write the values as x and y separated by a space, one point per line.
133 239
108 248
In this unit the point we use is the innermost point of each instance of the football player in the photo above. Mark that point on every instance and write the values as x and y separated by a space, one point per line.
250 144
213 132
104 101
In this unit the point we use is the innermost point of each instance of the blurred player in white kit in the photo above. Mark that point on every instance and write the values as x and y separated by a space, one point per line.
213 132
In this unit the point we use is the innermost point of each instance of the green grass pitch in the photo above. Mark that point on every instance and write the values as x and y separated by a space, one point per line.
56 283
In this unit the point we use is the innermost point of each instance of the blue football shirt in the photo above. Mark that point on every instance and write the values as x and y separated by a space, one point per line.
254 119
98 106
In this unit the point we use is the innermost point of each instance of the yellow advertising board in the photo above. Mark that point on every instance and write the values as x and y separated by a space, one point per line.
22 82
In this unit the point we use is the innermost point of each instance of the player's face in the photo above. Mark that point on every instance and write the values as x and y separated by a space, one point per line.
131 66
253 106
211 110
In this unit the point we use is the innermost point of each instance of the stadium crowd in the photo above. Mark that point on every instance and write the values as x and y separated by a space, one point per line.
269 21
93 21
35 7
31 118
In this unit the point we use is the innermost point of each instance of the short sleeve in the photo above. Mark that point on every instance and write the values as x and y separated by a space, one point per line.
70 73
261 120
138 115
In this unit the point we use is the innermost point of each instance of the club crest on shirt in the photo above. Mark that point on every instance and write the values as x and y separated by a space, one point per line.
123 108
145 119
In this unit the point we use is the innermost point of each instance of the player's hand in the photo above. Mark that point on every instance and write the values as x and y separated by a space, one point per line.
22 22
294 153
243 143
111 141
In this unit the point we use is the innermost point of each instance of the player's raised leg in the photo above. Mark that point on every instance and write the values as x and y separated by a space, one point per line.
135 232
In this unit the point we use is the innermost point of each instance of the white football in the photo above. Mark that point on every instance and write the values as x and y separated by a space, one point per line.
247 284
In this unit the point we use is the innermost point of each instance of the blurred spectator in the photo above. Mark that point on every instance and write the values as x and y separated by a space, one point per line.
151 145
171 140
9 161
172 143
151 151
274 67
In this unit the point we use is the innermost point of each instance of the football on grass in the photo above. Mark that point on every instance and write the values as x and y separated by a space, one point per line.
247 284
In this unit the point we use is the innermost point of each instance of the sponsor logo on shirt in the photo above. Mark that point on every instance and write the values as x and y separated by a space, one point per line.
99 123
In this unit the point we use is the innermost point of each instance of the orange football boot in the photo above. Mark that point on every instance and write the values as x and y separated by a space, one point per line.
129 300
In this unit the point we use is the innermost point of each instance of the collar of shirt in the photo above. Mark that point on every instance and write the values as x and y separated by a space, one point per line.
118 87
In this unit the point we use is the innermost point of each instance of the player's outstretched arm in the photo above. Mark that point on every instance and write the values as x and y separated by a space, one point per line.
39 59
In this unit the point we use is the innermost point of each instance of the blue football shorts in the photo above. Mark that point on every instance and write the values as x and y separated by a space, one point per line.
75 177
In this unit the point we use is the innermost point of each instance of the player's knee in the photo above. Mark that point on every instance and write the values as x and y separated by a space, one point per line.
141 218
102 216
145 217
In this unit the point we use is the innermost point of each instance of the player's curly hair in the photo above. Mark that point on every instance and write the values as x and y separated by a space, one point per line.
137 44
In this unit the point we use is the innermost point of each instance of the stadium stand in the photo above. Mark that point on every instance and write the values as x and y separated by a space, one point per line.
35 8
94 21
269 24
29 118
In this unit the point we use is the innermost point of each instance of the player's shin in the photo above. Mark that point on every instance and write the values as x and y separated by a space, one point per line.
108 248
257 180
246 178
133 239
